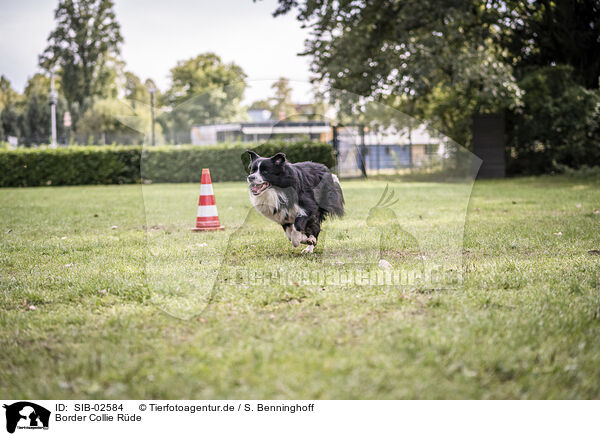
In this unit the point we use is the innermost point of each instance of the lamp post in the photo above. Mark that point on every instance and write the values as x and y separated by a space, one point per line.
53 100
152 91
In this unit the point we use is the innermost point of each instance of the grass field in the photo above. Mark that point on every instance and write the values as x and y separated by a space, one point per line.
150 310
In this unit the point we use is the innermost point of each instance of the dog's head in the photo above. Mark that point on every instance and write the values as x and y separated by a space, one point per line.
267 172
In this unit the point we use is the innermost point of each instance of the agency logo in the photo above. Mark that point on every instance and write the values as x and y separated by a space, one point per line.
26 415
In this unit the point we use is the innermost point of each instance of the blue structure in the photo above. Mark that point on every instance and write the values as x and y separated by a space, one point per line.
388 156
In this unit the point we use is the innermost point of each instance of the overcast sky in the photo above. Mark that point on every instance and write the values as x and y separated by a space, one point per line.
158 33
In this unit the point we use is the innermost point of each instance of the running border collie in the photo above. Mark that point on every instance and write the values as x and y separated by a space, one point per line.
298 196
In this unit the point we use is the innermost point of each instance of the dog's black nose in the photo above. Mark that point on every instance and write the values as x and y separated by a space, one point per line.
251 178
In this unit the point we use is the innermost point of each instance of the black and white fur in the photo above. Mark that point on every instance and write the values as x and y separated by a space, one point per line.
298 196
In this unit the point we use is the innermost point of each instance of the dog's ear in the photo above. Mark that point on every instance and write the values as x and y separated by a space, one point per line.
278 159
253 156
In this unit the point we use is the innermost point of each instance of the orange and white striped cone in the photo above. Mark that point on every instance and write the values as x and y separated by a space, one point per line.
208 217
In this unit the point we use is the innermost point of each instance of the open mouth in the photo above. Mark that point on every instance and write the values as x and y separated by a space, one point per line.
259 189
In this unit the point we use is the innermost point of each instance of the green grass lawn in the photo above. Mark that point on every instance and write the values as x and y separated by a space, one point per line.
151 310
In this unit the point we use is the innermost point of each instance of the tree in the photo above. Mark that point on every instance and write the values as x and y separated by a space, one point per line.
36 116
8 95
383 49
555 48
121 121
135 90
203 90
84 46
27 116
320 108
114 121
283 107
558 125
444 60
11 116
543 33
261 105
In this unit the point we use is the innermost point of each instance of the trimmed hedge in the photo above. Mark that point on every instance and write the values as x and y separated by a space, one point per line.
69 166
163 164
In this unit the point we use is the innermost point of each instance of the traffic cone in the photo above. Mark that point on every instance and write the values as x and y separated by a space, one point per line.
208 217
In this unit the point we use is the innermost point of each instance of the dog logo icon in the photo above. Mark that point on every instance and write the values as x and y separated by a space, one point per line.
26 415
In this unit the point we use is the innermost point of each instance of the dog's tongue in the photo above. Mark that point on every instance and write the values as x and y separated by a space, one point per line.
256 188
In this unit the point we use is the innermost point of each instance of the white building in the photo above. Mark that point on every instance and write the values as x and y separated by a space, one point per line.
261 131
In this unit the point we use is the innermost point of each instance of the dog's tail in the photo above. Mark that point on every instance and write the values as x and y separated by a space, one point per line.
330 196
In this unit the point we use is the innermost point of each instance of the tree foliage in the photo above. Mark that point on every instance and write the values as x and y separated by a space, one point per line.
261 105
102 123
84 47
27 116
561 32
385 48
8 95
36 112
282 107
444 60
10 107
203 89
558 125
136 91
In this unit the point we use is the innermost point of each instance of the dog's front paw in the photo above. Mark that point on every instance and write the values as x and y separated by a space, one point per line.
308 249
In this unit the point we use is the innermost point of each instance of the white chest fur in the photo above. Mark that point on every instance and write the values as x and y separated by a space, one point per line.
273 204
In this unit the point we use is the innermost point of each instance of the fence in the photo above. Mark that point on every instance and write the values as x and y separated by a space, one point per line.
361 151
